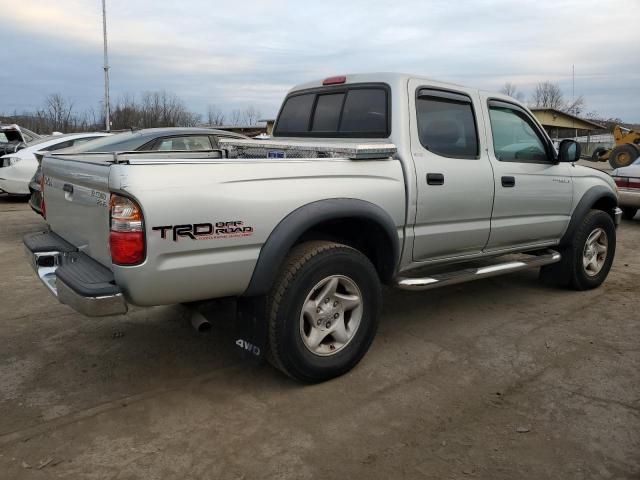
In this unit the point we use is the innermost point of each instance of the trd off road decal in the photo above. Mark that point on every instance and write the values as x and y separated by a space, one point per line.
205 231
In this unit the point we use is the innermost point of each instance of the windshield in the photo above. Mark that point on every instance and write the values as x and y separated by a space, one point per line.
121 142
7 136
38 141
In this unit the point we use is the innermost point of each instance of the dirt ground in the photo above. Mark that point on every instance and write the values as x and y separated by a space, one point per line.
496 379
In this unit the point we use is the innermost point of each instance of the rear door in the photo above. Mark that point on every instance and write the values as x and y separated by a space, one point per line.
455 181
534 193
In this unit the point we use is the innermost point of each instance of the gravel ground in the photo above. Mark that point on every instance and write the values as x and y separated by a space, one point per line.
498 379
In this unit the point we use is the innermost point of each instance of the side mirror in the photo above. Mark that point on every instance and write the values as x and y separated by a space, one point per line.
569 151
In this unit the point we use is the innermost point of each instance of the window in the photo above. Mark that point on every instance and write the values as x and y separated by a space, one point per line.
514 136
58 146
295 114
193 142
365 110
446 124
345 111
80 141
327 114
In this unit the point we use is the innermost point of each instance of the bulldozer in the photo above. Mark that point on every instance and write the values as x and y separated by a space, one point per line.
626 150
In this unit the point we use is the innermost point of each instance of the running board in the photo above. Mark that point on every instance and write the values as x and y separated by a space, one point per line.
468 274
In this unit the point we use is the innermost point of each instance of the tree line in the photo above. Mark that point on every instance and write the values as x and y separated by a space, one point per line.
149 110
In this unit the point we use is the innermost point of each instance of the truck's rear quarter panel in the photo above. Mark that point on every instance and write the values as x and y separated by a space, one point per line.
258 193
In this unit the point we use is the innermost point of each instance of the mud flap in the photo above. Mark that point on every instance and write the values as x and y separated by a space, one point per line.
251 328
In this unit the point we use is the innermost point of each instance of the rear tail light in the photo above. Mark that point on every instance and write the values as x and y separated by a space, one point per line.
627 182
126 238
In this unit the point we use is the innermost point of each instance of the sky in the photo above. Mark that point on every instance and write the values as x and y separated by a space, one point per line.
250 52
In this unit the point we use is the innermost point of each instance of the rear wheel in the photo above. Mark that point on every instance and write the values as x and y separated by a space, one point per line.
587 260
623 155
629 212
323 311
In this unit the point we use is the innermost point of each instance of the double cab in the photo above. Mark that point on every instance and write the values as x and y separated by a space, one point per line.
369 179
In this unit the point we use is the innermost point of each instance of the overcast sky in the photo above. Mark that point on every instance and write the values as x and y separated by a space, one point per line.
250 52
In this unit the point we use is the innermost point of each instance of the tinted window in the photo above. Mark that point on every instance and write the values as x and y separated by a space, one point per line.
327 113
365 110
514 137
122 142
80 141
58 146
342 111
193 142
295 114
447 127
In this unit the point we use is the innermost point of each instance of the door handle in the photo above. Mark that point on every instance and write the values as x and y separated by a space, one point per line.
508 182
435 179
67 187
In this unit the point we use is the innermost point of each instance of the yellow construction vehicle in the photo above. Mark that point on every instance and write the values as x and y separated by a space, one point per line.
627 148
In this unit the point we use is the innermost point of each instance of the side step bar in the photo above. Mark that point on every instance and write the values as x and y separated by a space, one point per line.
466 275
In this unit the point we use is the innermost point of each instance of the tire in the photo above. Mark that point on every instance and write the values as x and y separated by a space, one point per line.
293 345
623 155
595 156
571 271
629 212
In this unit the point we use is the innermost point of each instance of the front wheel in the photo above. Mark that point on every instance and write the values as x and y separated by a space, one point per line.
323 311
587 260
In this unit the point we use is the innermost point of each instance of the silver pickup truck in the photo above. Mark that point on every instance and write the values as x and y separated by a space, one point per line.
368 180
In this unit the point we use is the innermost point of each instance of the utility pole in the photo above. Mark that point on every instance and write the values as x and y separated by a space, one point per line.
107 109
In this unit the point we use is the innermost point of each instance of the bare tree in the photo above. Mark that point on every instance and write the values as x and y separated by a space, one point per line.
59 112
250 115
235 118
214 116
510 89
548 95
576 107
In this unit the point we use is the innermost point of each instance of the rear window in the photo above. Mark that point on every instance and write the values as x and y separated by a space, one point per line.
295 114
352 111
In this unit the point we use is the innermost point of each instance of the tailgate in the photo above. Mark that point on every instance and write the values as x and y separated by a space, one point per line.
76 194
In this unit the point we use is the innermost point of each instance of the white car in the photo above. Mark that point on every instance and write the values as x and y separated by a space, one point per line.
628 182
16 169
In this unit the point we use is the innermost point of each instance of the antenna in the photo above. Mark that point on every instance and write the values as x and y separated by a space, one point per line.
107 108
573 88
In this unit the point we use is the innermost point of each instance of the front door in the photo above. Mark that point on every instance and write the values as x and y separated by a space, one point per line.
454 176
534 193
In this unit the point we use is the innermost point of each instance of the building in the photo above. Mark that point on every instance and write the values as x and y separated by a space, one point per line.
559 125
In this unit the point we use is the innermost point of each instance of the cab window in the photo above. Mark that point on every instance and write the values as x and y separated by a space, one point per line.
515 138
446 124
348 111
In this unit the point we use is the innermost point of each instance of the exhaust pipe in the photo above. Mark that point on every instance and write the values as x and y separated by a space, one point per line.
199 322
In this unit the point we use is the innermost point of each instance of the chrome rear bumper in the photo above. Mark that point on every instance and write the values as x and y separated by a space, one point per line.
86 286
